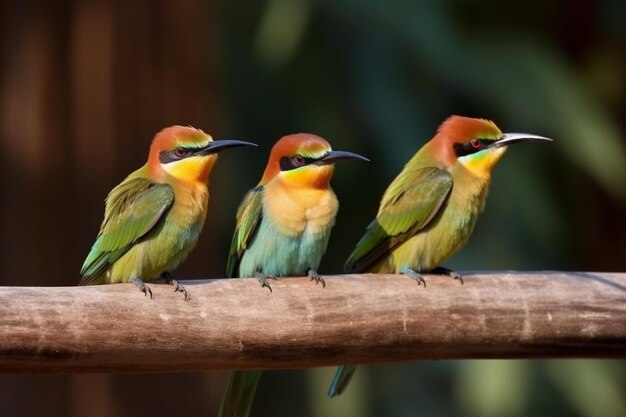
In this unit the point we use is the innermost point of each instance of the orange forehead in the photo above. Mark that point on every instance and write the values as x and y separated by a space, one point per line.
173 136
462 129
299 143
305 144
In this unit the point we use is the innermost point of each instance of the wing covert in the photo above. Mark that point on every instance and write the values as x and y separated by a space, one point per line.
410 202
133 208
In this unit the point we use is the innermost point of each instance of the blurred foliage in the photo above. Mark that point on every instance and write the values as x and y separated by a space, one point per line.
372 77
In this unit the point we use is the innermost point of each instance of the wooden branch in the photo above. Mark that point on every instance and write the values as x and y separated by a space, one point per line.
235 323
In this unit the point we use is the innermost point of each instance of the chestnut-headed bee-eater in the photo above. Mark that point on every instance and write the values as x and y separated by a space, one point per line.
282 229
429 210
153 218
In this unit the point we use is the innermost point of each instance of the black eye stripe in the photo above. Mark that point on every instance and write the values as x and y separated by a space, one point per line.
466 148
287 163
166 157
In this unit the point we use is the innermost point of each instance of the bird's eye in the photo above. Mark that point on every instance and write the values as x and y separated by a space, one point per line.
475 143
298 160
180 152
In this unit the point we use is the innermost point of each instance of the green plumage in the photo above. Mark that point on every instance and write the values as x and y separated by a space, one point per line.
248 216
412 200
153 218
133 209
149 228
429 210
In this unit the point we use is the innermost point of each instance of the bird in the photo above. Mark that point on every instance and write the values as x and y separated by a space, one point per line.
282 229
153 218
429 210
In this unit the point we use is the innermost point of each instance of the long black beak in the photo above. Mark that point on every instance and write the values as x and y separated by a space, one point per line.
334 156
220 145
512 138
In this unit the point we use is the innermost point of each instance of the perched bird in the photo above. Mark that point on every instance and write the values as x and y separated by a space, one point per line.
429 210
283 226
153 218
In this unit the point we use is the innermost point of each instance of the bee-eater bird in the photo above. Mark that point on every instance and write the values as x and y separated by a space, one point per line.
429 210
153 218
282 229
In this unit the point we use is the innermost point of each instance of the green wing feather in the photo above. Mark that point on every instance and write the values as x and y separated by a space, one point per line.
411 201
248 216
133 208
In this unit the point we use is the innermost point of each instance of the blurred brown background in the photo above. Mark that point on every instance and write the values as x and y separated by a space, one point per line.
85 84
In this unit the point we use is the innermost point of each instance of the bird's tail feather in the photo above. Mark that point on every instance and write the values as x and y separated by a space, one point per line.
341 380
239 393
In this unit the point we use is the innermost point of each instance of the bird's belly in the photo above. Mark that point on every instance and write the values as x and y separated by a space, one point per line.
162 249
274 253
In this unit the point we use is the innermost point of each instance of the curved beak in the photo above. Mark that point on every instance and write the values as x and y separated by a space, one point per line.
512 138
334 156
219 145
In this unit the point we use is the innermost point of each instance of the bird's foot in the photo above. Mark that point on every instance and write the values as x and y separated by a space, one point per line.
312 273
178 287
440 270
142 287
263 279
415 275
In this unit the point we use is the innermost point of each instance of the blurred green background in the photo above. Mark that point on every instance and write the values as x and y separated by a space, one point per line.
85 84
